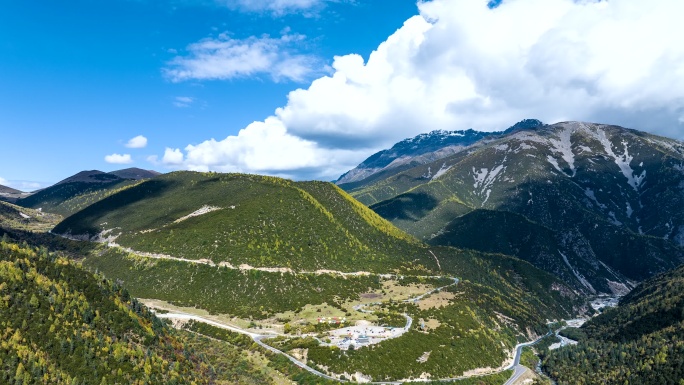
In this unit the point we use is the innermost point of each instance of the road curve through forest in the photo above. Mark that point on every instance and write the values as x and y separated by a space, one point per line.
517 368
515 365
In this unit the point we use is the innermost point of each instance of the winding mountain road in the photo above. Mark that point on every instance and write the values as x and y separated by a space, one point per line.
258 338
518 369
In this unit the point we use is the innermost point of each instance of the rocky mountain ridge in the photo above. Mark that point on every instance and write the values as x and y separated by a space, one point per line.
422 149
595 204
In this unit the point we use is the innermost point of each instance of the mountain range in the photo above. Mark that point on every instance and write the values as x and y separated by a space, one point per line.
422 149
86 187
270 250
599 206
499 232
8 190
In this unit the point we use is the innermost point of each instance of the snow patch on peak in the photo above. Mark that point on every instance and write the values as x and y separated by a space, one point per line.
563 145
484 179
479 176
622 160
613 219
554 163
585 149
489 191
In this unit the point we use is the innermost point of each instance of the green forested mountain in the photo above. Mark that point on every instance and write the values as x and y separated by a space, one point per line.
182 237
246 219
82 189
596 205
63 325
135 173
639 342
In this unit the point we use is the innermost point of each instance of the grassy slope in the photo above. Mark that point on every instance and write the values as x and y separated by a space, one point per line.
254 294
639 342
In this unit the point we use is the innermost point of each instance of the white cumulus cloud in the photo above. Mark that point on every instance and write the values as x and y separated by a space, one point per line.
118 159
172 157
224 58
137 142
459 65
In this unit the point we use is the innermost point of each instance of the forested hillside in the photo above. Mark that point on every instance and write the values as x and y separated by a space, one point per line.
83 189
62 325
246 219
261 249
639 342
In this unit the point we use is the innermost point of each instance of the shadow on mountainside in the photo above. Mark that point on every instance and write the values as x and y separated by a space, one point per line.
74 224
409 206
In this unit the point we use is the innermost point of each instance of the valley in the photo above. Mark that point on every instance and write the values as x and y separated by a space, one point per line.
326 192
464 259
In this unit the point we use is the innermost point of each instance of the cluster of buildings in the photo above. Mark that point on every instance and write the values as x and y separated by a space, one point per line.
361 336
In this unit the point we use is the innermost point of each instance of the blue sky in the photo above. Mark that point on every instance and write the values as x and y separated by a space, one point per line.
81 78
307 89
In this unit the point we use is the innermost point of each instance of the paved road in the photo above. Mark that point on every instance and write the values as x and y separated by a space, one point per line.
255 336
518 369
259 337
302 365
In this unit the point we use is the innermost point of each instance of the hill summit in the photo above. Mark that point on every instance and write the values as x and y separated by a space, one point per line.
244 219
81 189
